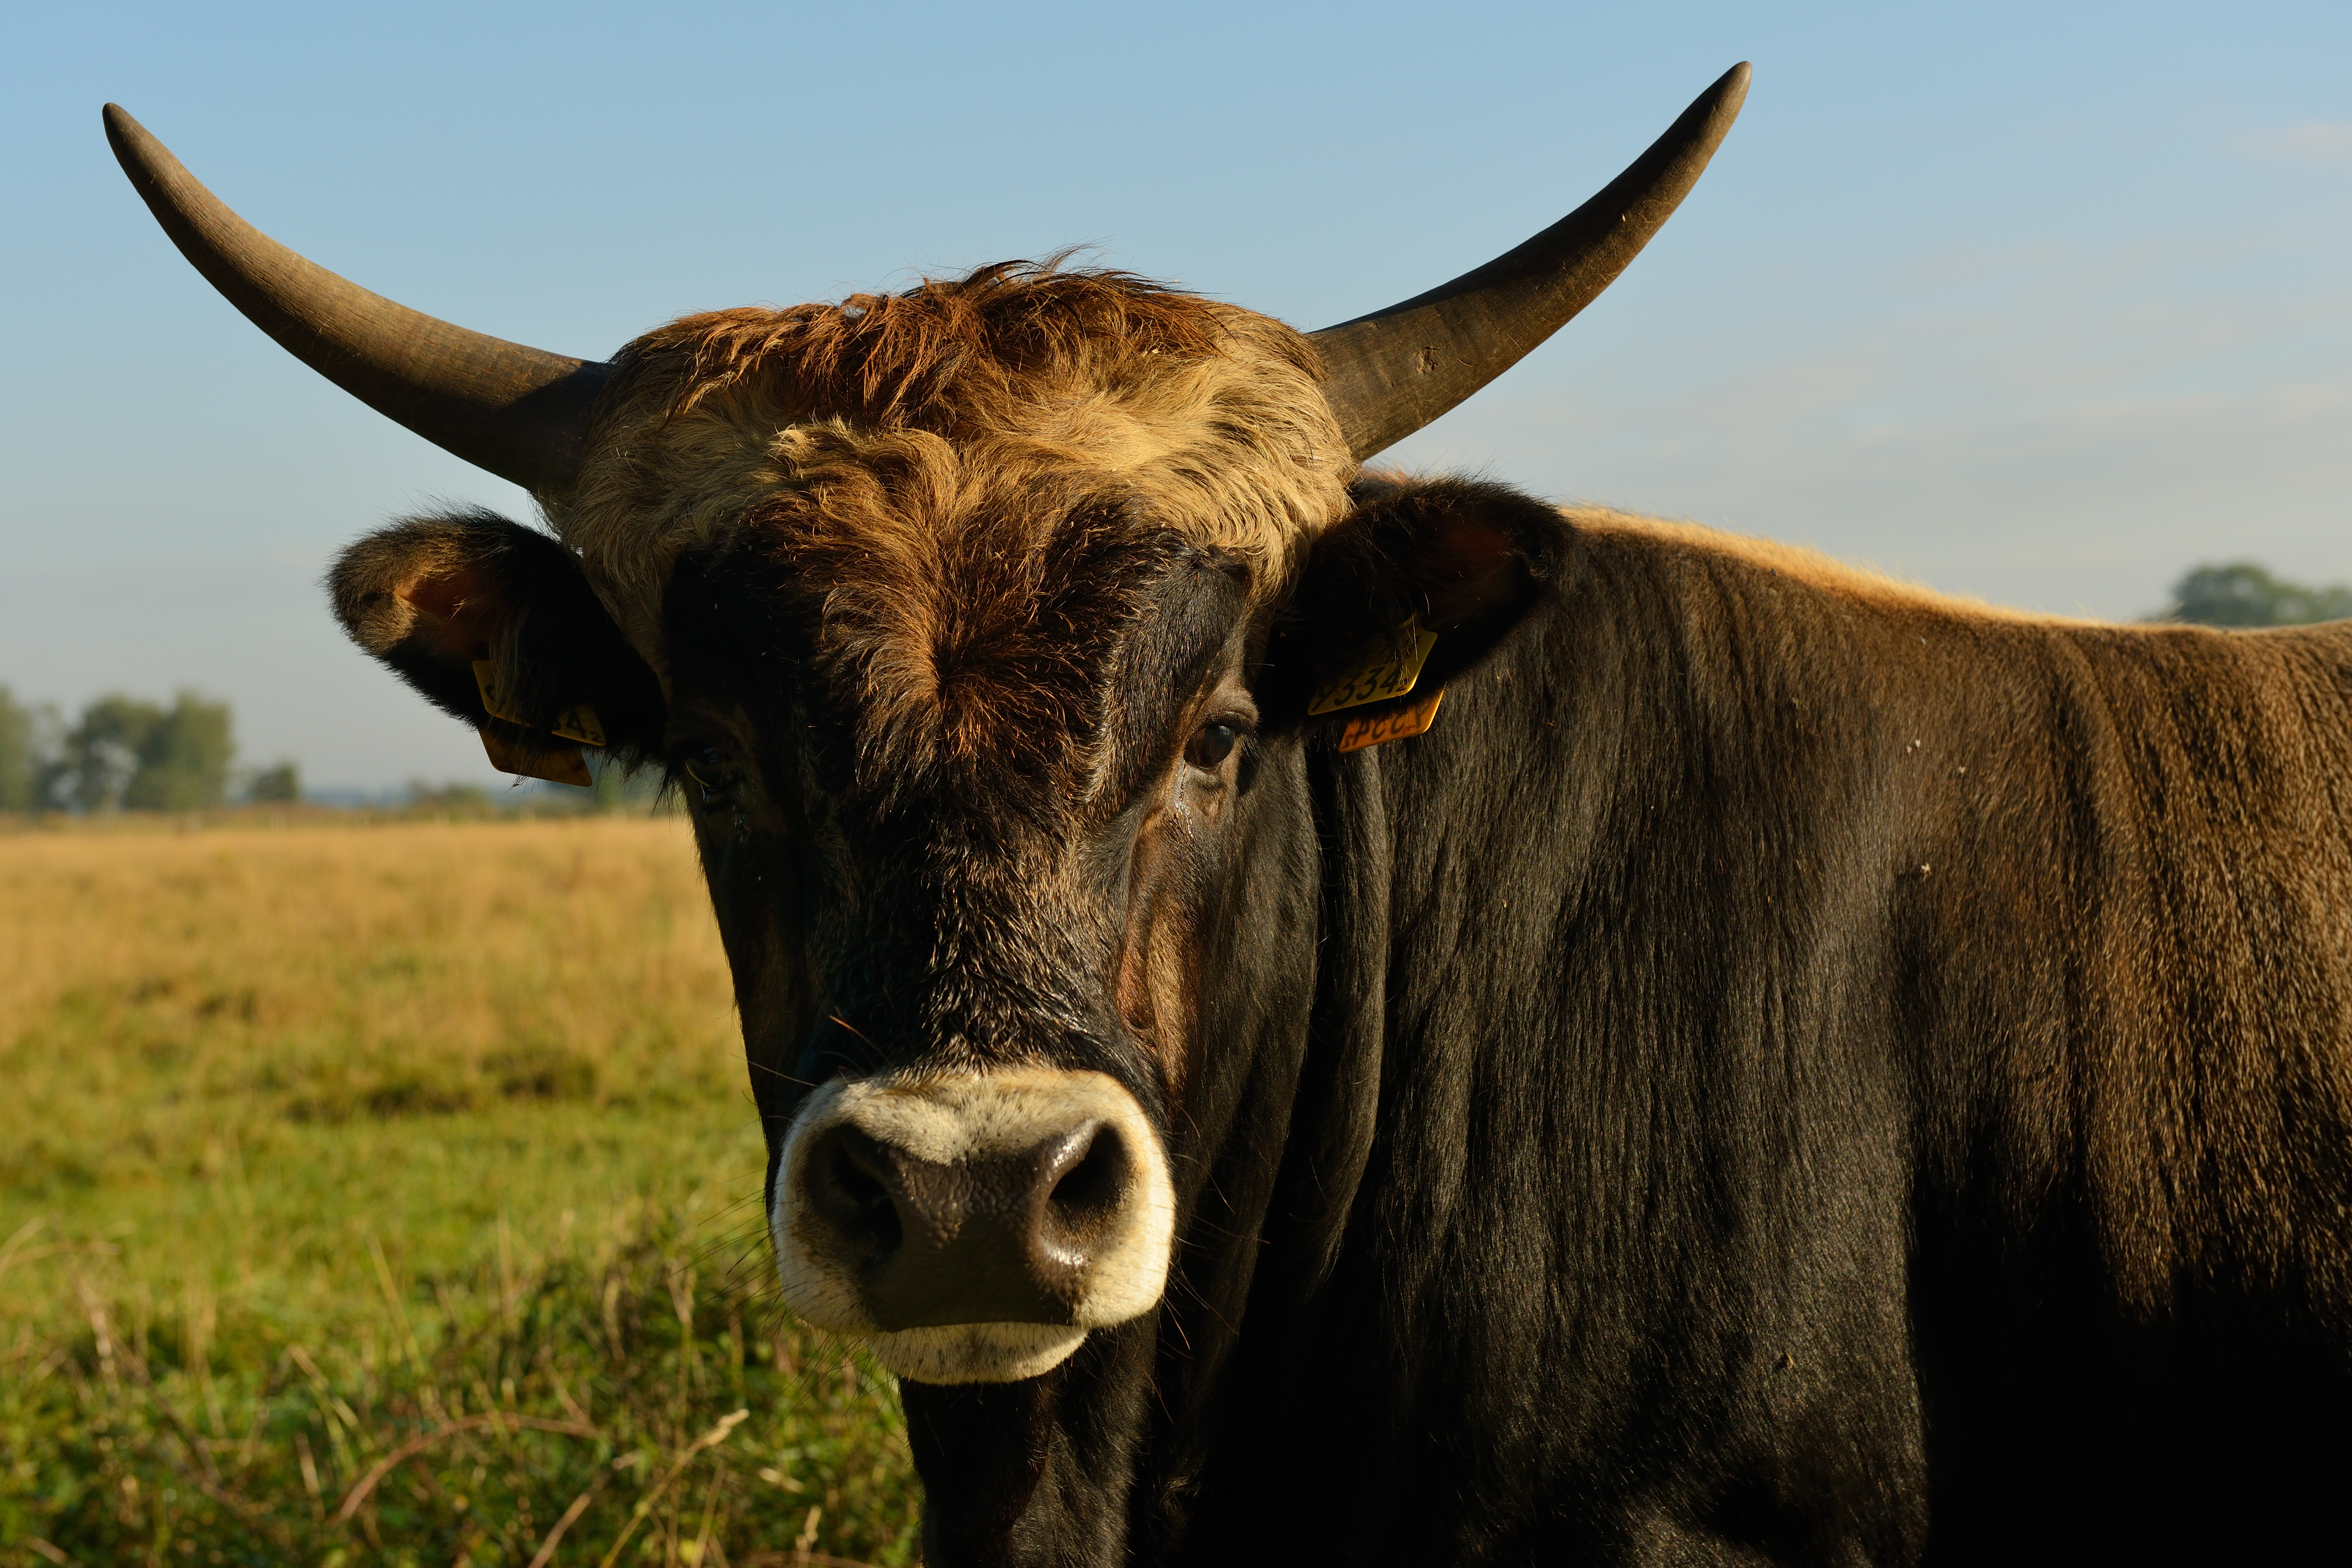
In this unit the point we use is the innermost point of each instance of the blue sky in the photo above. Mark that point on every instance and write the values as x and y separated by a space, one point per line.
2041 303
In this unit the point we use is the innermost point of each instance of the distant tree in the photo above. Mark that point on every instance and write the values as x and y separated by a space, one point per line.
126 755
184 761
101 752
20 759
280 785
2242 593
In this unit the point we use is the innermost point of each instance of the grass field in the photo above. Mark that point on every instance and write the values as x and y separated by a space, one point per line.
389 1193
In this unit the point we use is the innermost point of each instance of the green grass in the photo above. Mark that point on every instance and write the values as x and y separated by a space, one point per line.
390 1195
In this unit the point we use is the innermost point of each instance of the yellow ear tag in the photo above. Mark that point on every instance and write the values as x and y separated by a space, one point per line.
1373 728
1387 668
577 723
564 767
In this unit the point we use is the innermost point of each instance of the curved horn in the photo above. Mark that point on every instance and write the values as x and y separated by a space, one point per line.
518 411
1392 371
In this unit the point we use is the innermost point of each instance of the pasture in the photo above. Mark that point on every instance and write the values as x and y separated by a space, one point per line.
388 1192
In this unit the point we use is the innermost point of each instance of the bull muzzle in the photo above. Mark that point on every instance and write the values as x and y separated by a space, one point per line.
974 1227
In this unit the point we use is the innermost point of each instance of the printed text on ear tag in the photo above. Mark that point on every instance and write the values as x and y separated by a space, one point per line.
1387 668
1373 729
577 723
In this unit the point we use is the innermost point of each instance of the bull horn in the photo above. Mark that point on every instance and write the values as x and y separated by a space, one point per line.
1389 374
521 413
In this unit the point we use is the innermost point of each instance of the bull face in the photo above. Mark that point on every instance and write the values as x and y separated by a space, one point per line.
970 946
956 658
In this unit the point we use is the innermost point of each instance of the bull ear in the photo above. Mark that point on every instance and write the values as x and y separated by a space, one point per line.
1439 569
479 613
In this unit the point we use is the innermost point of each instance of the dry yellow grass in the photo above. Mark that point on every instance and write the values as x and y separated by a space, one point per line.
313 1135
350 962
244 1046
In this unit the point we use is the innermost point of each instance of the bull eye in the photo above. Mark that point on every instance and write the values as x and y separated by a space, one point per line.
1210 746
713 775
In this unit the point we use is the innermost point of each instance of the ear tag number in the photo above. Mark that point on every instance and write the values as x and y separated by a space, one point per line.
1373 728
577 723
1387 668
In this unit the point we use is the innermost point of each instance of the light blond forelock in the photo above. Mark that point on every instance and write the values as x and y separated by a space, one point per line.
896 426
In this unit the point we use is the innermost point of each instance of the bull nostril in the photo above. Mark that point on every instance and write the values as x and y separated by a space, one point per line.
850 1179
868 1196
1092 1185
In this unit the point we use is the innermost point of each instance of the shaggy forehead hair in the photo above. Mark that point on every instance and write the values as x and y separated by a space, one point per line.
924 451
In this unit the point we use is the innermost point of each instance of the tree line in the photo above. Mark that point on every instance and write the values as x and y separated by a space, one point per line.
123 753
126 755
2242 593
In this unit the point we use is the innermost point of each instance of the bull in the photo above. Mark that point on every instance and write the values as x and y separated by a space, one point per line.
1780 1067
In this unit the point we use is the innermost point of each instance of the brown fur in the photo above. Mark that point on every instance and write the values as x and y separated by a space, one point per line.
2146 824
924 443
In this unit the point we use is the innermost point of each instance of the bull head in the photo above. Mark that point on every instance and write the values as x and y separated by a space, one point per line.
977 625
